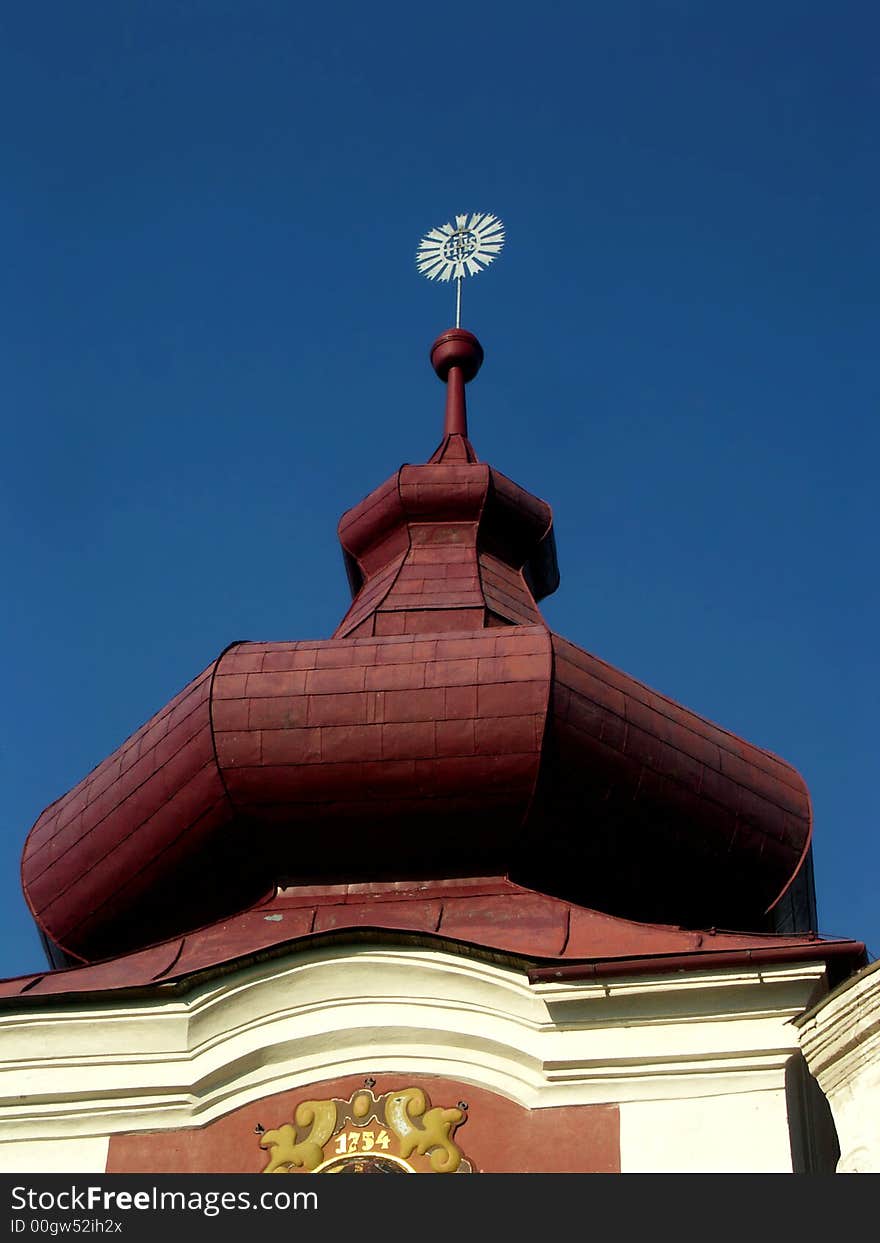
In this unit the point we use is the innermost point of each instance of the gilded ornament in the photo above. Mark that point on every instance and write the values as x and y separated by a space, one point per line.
398 1133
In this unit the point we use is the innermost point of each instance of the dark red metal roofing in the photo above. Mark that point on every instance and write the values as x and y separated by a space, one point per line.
474 914
443 732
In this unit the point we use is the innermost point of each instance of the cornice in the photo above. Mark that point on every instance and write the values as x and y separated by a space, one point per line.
174 1061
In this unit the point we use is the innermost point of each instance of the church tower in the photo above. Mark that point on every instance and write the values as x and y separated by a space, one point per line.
444 893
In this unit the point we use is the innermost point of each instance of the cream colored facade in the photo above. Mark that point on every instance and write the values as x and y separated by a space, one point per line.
841 1042
704 1067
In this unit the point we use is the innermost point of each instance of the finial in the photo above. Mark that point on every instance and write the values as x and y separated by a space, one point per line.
460 250
452 252
456 356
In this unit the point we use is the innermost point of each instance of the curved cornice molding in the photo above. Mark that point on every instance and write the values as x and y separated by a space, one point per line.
177 1060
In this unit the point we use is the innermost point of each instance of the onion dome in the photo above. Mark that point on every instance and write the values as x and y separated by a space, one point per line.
443 732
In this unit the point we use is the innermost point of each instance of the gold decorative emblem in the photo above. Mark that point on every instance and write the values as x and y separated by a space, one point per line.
398 1133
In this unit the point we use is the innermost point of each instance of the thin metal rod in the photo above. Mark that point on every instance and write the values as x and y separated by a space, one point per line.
458 302
456 408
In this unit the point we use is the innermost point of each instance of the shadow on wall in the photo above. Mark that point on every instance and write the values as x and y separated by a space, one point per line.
814 1145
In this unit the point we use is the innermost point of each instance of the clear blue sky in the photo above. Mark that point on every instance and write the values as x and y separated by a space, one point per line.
214 340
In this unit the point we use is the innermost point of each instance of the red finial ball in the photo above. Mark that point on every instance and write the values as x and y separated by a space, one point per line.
457 348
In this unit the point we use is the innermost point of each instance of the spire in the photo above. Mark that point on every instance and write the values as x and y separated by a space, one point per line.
456 356
452 544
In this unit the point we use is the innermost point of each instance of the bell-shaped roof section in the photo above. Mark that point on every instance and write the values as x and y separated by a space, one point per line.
450 545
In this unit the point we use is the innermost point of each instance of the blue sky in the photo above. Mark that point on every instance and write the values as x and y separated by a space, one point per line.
214 340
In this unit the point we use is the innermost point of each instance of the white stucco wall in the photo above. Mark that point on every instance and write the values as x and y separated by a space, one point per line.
55 1156
738 1133
696 1062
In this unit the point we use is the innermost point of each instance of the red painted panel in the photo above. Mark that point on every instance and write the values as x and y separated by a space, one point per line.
276 712
290 656
522 924
284 746
499 1136
422 916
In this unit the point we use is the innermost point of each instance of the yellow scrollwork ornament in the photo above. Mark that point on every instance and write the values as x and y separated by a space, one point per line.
418 1137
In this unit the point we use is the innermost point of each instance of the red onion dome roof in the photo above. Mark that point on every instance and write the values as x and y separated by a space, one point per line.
442 732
